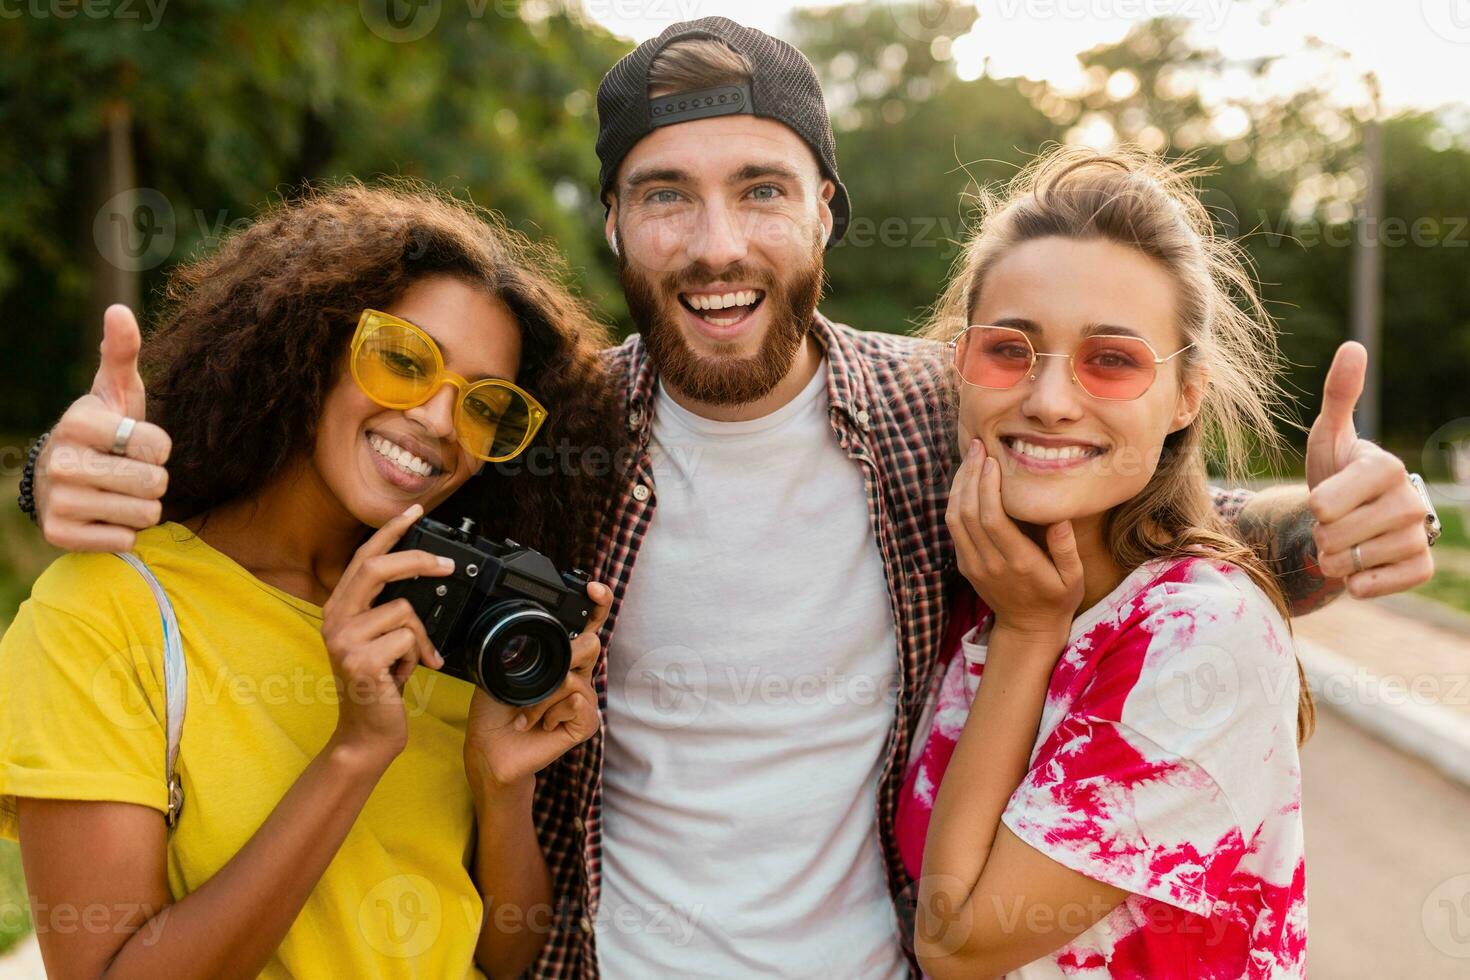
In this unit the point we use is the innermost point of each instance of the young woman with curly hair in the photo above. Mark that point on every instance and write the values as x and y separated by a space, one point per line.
347 813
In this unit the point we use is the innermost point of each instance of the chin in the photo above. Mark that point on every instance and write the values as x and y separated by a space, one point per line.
1042 507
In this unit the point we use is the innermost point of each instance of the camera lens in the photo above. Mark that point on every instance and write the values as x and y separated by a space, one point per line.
521 653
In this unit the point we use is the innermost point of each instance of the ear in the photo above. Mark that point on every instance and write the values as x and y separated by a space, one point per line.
610 223
824 209
1191 397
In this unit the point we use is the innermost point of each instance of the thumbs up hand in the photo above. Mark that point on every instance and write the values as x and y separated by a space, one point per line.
88 498
117 381
1370 519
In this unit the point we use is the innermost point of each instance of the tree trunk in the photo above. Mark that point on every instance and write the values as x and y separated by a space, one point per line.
121 233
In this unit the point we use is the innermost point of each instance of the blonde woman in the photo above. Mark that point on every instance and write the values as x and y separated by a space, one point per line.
1109 786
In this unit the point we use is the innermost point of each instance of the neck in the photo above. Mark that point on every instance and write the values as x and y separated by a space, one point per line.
1100 573
803 369
293 534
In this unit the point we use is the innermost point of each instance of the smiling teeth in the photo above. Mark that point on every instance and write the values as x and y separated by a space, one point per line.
400 457
1051 452
712 302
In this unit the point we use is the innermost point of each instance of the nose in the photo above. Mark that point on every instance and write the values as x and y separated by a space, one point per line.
1053 396
437 415
720 240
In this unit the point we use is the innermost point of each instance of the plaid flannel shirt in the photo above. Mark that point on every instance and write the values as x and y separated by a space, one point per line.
890 413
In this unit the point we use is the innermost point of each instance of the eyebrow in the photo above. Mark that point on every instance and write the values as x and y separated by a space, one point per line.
673 175
444 352
656 175
1091 330
755 171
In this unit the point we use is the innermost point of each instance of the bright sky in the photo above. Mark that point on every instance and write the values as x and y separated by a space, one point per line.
1420 49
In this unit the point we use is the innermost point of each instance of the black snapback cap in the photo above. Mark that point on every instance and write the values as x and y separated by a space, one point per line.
783 87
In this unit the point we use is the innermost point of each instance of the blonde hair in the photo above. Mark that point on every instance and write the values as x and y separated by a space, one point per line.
696 63
1136 199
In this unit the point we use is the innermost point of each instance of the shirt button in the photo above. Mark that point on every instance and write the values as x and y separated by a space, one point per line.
635 418
862 417
585 924
640 492
577 824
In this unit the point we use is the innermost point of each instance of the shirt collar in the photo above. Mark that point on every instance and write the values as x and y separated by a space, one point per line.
848 389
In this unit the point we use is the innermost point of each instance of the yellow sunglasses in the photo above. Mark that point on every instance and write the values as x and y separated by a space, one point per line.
399 366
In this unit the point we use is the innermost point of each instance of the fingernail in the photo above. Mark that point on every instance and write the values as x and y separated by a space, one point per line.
446 563
414 510
438 658
974 448
521 723
989 465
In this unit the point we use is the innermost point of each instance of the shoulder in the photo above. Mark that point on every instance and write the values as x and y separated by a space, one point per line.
102 595
1200 597
1218 668
97 588
623 360
888 351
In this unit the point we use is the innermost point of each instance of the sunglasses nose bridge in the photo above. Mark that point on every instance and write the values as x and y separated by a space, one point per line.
1035 373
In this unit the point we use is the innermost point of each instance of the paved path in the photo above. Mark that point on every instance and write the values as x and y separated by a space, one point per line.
1388 861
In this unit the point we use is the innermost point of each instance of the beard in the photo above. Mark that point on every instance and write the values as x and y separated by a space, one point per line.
653 302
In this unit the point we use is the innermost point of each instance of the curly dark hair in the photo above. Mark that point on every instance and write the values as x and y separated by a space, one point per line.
253 336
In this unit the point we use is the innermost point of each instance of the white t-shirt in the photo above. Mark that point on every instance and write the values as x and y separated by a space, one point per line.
751 685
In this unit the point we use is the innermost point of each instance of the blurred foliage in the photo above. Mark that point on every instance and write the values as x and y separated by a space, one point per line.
913 137
15 919
235 104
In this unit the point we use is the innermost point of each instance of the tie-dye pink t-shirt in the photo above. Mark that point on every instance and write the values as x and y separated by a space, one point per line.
1166 765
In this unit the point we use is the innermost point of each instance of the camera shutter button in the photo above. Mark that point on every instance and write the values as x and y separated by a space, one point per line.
472 570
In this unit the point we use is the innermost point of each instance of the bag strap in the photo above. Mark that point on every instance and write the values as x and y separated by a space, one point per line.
175 686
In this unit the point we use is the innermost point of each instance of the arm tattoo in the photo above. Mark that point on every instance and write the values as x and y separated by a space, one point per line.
1278 527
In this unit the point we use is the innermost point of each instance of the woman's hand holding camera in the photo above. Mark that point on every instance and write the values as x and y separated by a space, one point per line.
374 649
505 746
1034 594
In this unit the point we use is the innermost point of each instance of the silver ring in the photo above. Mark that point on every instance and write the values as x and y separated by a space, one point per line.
1357 558
122 435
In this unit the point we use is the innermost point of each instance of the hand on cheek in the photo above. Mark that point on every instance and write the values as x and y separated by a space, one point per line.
1030 590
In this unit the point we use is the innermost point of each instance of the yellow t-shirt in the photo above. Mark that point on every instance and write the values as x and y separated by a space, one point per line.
82 717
